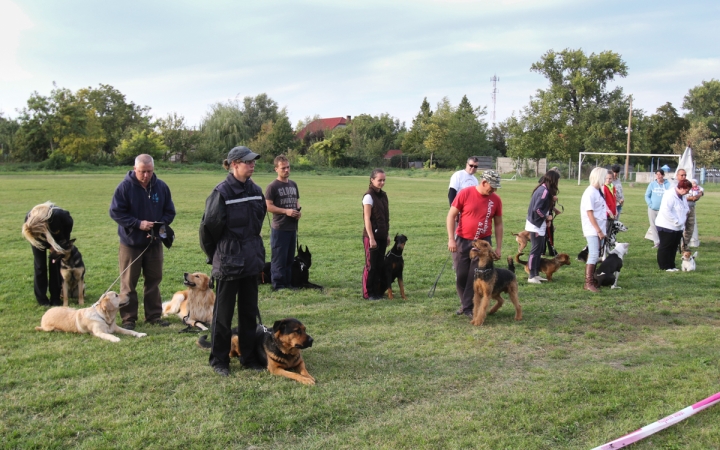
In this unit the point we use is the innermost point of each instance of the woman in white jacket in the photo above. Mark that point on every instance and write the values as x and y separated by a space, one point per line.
593 218
670 223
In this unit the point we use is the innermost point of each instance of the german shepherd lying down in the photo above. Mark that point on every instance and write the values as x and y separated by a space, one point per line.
491 282
195 304
279 349
98 320
72 270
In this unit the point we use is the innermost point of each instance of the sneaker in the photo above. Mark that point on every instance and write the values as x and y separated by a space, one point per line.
534 280
162 323
222 371
459 312
656 245
674 269
538 277
128 325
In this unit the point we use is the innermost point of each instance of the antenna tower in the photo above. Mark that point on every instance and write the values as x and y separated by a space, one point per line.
494 80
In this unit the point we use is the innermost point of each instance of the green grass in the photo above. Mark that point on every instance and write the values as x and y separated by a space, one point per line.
579 370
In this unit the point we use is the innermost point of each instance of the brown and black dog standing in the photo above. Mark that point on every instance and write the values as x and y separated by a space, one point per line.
394 264
548 266
72 270
279 348
491 282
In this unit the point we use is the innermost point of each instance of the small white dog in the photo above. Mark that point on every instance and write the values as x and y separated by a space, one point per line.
688 261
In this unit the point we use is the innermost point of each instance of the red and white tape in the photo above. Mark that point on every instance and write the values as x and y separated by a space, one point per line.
660 424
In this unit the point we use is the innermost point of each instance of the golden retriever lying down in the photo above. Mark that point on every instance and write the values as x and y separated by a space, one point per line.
98 320
195 304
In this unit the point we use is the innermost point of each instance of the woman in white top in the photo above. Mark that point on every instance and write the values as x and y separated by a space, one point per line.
594 221
670 223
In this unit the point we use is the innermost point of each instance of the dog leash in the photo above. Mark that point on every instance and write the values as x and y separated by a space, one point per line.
121 273
432 289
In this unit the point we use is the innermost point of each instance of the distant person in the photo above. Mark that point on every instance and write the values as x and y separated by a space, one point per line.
376 235
593 217
670 223
538 220
282 199
479 208
610 201
653 198
141 200
48 227
230 238
463 178
619 195
690 236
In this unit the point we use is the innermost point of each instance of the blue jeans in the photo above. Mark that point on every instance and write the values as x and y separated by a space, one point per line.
593 249
282 245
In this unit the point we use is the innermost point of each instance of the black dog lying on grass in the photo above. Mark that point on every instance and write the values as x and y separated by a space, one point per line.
300 278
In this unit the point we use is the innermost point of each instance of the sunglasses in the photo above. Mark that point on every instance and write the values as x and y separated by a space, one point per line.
473 166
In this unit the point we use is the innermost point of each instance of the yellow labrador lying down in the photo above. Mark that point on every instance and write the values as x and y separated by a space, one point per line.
98 320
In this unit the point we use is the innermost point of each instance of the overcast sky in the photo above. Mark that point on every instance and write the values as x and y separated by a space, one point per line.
339 58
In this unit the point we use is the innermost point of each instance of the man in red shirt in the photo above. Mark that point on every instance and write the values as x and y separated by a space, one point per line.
479 208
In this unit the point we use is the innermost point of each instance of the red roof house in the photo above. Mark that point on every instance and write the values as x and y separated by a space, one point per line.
391 153
323 125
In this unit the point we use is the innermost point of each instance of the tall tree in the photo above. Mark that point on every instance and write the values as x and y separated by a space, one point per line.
662 129
414 140
706 147
577 112
177 136
703 105
467 135
256 111
116 115
8 134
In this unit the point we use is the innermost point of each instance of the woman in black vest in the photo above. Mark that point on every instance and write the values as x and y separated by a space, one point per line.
376 237
230 237
48 227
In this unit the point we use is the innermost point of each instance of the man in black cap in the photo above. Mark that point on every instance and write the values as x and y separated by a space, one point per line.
140 201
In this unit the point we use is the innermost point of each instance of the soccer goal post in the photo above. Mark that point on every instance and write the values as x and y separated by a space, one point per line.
581 158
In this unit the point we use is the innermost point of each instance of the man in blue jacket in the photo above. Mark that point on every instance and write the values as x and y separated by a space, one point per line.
140 201
653 198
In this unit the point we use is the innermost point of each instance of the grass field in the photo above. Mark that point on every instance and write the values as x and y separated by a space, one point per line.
579 370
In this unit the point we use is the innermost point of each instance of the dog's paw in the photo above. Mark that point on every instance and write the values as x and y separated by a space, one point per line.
141 335
308 381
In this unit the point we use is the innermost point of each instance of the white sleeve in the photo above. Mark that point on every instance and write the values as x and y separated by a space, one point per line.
455 182
367 200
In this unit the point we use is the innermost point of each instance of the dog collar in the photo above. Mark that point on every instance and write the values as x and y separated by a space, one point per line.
93 307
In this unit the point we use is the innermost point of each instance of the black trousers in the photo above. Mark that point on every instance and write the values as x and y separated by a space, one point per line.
41 277
536 251
244 292
669 241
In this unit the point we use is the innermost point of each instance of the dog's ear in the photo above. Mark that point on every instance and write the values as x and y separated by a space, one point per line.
279 325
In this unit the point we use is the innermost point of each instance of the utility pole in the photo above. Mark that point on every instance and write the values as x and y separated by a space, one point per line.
494 80
629 131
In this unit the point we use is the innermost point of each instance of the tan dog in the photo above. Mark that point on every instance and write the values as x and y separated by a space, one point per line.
195 304
98 320
278 349
491 282
522 238
547 266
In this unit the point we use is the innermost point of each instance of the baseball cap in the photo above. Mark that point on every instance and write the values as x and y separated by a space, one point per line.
242 153
492 177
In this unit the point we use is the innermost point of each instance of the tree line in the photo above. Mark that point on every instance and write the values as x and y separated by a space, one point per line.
577 111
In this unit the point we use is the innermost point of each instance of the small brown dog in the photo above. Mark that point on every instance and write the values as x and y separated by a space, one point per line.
195 304
547 266
279 348
522 238
491 282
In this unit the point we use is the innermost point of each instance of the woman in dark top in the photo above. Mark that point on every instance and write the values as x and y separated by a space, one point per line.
48 227
539 213
230 237
376 237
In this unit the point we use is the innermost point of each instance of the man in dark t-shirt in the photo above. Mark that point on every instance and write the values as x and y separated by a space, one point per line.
282 198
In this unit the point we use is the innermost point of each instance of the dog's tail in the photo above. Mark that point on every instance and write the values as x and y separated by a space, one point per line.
511 266
519 261
202 342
